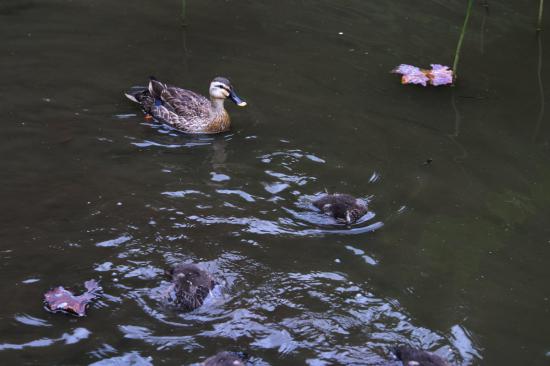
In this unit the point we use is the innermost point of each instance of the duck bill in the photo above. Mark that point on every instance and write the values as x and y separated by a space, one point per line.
235 99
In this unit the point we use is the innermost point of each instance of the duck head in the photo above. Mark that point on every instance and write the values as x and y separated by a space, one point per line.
190 286
342 212
187 277
221 88
344 208
226 359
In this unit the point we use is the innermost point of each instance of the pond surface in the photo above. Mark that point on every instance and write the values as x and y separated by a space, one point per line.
453 256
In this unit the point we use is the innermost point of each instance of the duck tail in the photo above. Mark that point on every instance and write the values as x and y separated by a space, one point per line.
132 97
141 96
137 94
155 87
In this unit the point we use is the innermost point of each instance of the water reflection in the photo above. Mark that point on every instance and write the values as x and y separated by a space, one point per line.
540 85
324 314
31 320
219 155
317 312
75 336
485 5
461 339
128 359
275 215
456 133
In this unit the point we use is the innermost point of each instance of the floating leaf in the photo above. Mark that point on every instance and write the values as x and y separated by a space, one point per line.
411 74
438 75
61 299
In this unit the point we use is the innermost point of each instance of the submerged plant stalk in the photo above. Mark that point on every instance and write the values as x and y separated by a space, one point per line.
461 38
539 21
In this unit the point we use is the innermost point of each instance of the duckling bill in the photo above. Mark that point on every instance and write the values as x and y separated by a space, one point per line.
190 286
186 110
343 207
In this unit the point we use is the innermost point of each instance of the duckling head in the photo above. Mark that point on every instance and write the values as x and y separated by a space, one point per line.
188 276
226 359
345 212
221 88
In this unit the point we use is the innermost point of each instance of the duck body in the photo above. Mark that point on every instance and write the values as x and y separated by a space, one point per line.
186 110
224 359
343 207
416 357
190 286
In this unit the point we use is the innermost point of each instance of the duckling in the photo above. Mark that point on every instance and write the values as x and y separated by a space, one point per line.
417 357
343 207
185 110
224 359
190 286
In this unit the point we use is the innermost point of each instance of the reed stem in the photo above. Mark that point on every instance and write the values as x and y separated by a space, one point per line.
461 38
539 21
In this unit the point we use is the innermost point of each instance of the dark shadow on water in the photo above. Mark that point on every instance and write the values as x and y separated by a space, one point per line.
456 132
485 5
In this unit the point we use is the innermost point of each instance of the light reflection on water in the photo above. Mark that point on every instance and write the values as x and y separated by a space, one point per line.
293 312
321 313
75 336
307 221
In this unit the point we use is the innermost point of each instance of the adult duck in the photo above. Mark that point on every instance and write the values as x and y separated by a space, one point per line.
185 110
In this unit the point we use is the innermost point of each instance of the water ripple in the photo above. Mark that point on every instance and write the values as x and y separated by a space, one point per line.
130 358
31 320
77 335
161 342
245 196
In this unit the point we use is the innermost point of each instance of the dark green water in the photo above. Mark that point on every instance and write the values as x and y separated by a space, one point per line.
453 258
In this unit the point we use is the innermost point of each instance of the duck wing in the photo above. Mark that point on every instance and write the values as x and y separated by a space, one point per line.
185 103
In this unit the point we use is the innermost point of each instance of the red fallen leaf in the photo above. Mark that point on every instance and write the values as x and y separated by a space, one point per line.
438 75
61 299
148 117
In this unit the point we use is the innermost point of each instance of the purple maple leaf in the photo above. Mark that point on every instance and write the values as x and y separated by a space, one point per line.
411 74
440 75
61 299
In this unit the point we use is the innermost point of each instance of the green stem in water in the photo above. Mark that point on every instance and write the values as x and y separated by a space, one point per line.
539 22
461 38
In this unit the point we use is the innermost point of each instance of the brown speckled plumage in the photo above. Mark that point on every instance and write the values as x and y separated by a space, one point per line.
186 110
190 286
342 207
